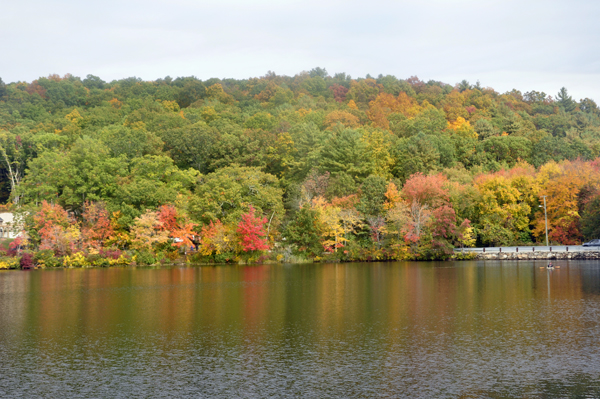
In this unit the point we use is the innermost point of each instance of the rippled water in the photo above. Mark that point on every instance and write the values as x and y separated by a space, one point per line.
469 329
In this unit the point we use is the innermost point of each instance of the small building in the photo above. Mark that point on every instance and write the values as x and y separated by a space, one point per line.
7 226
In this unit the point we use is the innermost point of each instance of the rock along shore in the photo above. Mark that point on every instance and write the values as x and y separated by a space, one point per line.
538 255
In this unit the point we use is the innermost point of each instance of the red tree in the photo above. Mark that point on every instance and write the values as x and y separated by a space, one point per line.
96 226
252 233
339 92
167 215
177 226
426 190
48 217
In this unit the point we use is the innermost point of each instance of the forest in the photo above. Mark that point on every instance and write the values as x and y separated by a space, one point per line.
277 168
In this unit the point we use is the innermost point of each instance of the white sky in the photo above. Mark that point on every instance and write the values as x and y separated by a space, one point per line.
528 44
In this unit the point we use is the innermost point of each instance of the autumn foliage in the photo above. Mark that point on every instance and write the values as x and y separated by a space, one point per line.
312 166
252 233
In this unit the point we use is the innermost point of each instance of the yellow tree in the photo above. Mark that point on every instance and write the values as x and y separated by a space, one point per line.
363 91
332 231
562 184
147 231
341 117
349 217
398 216
216 238
467 237
454 104
386 104
523 177
561 194
377 150
462 128
216 92
280 154
392 196
504 215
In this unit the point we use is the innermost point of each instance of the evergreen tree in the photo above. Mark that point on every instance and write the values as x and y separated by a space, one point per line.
565 101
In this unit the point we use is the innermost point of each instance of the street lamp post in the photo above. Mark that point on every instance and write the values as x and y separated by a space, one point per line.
545 218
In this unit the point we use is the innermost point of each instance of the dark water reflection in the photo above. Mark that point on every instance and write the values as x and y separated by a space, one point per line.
469 329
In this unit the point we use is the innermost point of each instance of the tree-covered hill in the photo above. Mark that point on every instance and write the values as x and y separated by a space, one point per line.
364 168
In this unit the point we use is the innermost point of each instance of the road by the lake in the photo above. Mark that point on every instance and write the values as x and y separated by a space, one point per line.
551 248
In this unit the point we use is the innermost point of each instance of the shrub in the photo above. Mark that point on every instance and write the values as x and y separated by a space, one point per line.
26 261
197 257
465 256
172 255
46 258
9 262
76 260
5 243
122 260
96 259
226 257
145 258
15 246
111 253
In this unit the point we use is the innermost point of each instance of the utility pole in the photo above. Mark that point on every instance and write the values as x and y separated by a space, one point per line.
545 218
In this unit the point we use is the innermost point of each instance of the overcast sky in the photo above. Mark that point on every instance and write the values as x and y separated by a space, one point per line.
526 44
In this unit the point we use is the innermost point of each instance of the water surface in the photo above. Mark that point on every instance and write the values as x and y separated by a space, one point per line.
404 329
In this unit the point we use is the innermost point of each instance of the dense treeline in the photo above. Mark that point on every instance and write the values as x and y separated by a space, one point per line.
311 164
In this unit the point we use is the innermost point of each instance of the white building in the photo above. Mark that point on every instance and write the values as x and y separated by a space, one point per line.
7 226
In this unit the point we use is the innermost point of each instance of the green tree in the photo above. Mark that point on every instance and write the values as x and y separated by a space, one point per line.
372 195
341 184
93 82
565 101
504 149
224 194
484 129
191 146
14 155
304 233
586 105
422 153
345 152
149 182
308 141
429 121
3 90
86 172
132 143
590 219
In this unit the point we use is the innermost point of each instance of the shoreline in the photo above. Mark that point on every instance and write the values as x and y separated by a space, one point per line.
511 256
538 255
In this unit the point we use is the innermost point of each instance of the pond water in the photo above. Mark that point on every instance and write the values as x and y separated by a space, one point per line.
403 329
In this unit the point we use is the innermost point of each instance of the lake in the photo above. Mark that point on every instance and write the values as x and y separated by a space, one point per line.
400 329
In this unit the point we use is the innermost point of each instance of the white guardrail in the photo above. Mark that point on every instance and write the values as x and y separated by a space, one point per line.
551 248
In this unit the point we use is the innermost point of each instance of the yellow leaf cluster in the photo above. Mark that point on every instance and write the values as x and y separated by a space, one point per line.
74 116
342 117
170 106
392 196
303 112
146 232
462 127
329 222
377 150
386 104
115 103
75 260
216 92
